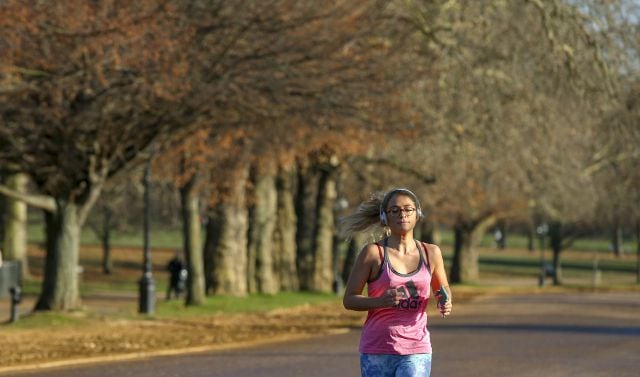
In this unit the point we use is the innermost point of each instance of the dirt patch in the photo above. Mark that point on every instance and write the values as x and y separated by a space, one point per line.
109 337
104 336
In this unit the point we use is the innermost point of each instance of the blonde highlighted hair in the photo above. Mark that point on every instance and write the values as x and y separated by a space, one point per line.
365 218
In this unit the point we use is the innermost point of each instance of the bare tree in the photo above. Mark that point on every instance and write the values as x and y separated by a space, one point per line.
287 85
506 117
86 88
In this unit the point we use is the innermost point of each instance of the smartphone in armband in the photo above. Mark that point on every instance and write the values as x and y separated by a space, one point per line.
443 296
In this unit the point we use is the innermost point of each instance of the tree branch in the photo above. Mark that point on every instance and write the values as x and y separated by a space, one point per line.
427 179
44 202
97 178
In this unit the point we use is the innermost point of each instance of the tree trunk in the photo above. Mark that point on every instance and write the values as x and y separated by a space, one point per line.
531 236
15 231
325 229
465 266
556 239
252 282
229 275
616 238
429 232
355 245
557 267
192 237
212 238
260 250
638 251
60 286
3 211
105 236
349 259
284 236
305 213
467 236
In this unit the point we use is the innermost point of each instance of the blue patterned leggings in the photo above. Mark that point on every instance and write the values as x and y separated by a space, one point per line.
417 365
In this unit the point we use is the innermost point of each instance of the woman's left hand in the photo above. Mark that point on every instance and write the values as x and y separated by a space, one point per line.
445 309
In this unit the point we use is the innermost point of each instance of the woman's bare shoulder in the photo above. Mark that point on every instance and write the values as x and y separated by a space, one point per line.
369 252
432 249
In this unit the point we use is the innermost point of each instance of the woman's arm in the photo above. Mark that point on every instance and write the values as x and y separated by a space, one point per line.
366 266
439 278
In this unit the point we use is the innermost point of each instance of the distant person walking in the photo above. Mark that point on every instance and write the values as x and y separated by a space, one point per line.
399 273
177 276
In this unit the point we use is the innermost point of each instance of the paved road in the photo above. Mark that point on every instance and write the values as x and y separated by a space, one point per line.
539 335
587 335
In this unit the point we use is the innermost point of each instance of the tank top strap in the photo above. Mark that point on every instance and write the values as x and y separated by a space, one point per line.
382 251
386 243
382 255
425 256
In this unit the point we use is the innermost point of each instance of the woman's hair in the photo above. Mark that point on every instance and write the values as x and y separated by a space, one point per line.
368 214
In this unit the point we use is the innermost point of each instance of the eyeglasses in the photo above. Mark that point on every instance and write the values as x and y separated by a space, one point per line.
397 211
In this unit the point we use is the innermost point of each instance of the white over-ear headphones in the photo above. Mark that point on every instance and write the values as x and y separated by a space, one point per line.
404 191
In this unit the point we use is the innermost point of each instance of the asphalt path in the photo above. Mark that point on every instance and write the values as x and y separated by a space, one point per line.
537 335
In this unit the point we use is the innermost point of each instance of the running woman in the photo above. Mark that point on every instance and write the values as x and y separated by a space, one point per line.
400 273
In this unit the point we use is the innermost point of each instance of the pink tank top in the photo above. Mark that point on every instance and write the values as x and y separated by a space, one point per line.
399 330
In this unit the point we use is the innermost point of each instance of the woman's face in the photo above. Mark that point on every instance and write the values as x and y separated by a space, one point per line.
401 214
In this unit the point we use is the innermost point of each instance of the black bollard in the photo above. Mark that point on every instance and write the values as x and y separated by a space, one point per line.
16 297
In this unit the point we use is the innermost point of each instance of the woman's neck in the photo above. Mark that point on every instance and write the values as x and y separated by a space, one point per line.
402 242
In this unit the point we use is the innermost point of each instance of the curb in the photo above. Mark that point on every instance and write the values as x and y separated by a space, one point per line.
159 353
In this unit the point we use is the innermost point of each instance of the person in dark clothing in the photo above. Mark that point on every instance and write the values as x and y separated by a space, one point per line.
177 276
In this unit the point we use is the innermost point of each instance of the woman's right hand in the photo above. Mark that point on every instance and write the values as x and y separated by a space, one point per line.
392 297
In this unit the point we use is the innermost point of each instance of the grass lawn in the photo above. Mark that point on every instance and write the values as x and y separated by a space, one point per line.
510 268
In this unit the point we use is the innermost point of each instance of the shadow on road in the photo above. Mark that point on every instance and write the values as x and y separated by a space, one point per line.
595 330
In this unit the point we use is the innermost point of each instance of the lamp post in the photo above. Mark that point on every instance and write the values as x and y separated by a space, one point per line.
147 285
